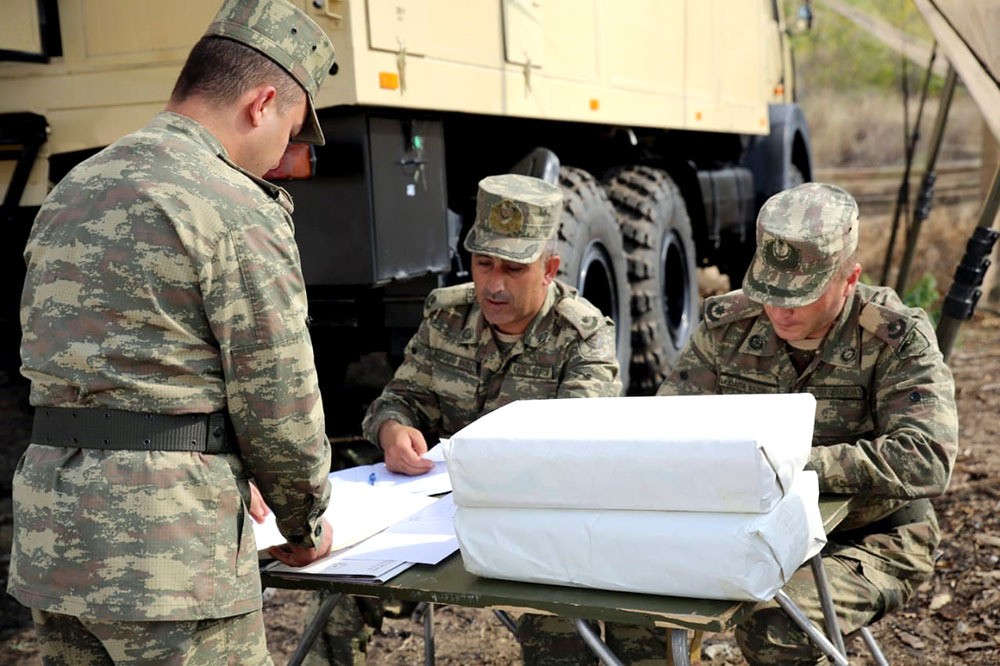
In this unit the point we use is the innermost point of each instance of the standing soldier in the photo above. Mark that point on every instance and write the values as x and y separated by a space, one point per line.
514 333
886 428
164 334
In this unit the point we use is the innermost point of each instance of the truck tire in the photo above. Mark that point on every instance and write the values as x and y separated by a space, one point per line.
661 270
593 258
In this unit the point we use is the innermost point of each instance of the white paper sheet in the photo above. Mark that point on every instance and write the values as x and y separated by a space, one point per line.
426 537
356 512
434 482
742 556
726 453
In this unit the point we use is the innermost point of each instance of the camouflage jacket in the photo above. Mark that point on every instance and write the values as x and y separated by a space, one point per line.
886 427
453 372
163 278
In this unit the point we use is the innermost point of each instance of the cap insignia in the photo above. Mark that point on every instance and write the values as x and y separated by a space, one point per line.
781 255
506 218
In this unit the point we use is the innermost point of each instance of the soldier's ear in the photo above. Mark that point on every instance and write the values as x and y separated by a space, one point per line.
260 102
551 266
852 280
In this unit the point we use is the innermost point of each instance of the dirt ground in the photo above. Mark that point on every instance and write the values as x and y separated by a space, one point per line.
954 619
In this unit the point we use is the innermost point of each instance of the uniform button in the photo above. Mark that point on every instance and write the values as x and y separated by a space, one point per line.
756 342
683 374
915 396
848 354
217 432
466 334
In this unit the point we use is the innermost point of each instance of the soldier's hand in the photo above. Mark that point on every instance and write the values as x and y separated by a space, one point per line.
299 556
403 446
258 507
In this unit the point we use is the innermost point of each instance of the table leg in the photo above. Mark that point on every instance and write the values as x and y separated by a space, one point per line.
429 635
880 659
595 643
506 620
680 654
826 603
314 629
821 641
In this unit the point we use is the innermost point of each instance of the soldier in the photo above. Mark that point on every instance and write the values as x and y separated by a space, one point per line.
514 333
886 428
164 320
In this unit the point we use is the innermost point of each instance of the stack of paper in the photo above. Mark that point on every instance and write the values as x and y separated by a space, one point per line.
689 496
383 523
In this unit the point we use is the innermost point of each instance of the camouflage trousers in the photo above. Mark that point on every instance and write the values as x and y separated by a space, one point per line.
66 640
861 595
554 641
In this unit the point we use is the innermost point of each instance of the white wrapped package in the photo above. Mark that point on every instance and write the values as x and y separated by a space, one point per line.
732 453
741 556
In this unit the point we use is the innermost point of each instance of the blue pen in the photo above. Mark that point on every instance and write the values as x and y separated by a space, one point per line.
371 479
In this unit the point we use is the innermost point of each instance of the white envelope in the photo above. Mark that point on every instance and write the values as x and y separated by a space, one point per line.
726 453
741 556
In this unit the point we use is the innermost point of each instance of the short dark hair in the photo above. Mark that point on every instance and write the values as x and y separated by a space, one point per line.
222 69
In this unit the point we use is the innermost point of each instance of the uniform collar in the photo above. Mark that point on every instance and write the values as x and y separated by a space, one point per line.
195 131
840 347
843 341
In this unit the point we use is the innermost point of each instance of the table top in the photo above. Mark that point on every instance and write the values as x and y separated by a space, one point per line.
449 583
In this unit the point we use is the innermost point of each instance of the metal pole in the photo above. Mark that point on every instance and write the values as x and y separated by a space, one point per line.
595 643
926 194
903 194
506 620
826 603
429 635
876 651
960 302
314 629
821 641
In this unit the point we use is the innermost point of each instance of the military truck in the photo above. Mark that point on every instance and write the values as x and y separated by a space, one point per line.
666 124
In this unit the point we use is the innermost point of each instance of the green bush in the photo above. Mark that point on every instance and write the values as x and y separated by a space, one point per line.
924 294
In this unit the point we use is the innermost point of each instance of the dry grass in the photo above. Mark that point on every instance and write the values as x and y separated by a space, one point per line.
862 129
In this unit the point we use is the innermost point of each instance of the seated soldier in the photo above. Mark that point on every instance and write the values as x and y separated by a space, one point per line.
514 333
886 429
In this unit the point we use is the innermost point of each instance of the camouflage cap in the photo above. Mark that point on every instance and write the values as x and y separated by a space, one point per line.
287 36
515 217
803 236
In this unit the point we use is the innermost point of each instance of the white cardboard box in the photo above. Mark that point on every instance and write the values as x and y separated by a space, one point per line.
725 453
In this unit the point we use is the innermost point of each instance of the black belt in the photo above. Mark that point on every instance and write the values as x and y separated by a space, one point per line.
118 430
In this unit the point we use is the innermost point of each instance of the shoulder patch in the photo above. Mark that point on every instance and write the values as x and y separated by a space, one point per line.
901 330
727 308
580 314
450 297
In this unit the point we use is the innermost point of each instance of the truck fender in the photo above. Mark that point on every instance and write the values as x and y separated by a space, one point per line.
783 158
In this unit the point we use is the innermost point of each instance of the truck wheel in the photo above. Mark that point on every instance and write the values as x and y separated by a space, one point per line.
661 270
593 259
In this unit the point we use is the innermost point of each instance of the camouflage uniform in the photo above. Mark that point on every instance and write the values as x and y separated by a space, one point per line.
455 369
886 425
163 278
